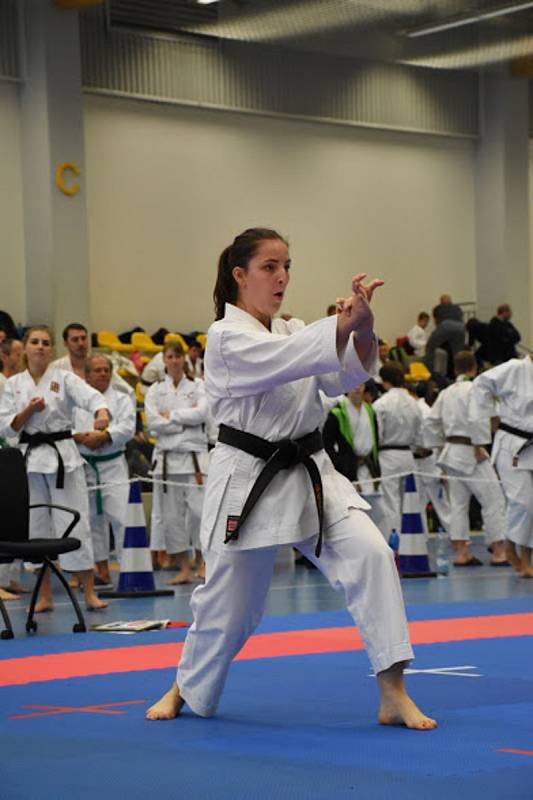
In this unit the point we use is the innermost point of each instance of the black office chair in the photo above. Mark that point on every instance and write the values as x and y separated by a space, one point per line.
15 541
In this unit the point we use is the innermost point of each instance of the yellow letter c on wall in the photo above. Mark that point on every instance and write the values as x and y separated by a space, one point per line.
60 178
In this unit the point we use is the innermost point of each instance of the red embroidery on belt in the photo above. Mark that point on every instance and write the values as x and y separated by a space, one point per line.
231 524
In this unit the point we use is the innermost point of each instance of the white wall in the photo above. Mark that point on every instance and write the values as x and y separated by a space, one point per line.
12 276
168 187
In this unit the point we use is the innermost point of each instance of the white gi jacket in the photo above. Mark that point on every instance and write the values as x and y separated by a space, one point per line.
399 418
449 416
121 428
418 339
184 432
512 384
268 384
117 382
62 392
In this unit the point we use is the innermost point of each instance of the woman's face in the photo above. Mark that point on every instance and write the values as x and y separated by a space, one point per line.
38 349
262 285
174 363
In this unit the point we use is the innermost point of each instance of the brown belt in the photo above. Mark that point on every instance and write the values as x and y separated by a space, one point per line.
459 440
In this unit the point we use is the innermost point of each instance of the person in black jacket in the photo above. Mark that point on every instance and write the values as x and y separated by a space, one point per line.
502 336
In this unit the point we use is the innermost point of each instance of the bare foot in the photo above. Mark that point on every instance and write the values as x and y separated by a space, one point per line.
17 587
43 605
527 572
401 710
168 707
201 572
93 602
5 595
181 577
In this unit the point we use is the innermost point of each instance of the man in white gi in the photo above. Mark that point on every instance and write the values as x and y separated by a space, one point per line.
105 463
512 385
76 341
465 459
400 433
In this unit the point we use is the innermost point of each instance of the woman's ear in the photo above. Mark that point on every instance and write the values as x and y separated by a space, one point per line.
238 275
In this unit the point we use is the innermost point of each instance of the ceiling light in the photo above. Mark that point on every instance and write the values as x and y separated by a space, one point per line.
458 23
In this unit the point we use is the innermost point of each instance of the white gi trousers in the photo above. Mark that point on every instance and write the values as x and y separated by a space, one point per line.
227 609
432 489
176 515
45 522
518 488
114 502
490 497
392 462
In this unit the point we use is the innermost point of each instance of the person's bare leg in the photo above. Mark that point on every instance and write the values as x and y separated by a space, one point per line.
396 707
512 555
199 564
526 570
45 601
17 587
168 706
92 600
499 554
184 575
462 553
102 568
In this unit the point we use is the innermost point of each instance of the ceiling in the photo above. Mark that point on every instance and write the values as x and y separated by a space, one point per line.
369 29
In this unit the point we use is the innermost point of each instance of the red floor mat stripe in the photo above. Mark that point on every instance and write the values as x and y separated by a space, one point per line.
83 663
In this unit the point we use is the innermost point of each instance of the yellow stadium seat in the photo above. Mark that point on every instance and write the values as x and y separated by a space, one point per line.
177 337
418 372
202 339
110 341
141 341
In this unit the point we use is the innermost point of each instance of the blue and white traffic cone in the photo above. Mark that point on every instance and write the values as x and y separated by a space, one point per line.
136 571
414 559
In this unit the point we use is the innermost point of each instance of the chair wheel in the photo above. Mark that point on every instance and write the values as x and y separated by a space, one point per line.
31 627
7 635
79 628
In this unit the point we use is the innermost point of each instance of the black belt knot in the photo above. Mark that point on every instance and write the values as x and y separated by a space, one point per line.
39 439
284 454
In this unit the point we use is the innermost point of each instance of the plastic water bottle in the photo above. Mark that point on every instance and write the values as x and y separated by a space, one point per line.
394 544
442 558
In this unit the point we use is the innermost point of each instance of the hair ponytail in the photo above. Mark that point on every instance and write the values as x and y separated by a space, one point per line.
237 254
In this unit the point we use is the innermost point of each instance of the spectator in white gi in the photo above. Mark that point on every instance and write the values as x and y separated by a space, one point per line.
263 389
11 362
418 335
432 489
105 463
38 407
176 413
76 341
400 434
466 460
194 361
511 384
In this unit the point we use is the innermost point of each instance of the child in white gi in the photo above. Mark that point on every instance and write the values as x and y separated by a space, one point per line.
263 389
176 413
37 403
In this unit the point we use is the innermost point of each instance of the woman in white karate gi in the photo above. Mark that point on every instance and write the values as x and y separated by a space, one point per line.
176 412
39 403
267 385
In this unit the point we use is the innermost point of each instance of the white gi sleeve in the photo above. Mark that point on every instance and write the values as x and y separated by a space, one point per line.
190 417
352 372
8 410
122 427
433 432
155 421
241 362
485 391
154 370
83 395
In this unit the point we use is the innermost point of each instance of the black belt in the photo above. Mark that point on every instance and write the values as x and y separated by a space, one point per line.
34 440
277 455
394 447
517 432
459 440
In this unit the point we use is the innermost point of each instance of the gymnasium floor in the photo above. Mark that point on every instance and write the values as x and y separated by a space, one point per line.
298 716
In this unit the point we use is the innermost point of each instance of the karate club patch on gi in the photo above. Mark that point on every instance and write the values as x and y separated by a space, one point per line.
54 387
231 526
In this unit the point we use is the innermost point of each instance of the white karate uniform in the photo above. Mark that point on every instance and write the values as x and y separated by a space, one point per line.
511 384
432 488
418 339
117 382
176 512
62 392
113 472
155 370
399 424
449 416
267 384
363 443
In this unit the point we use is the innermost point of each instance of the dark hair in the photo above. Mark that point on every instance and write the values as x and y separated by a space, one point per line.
423 315
72 326
176 347
237 254
503 308
464 362
392 373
